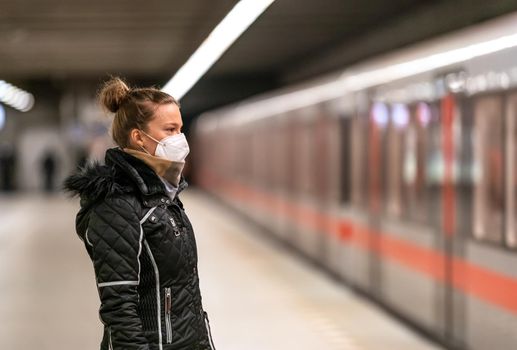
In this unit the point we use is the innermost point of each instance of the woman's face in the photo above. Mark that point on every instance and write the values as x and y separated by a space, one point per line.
166 122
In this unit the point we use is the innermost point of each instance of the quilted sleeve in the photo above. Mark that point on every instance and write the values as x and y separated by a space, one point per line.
115 239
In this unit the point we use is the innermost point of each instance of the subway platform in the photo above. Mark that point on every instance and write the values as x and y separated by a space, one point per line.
259 297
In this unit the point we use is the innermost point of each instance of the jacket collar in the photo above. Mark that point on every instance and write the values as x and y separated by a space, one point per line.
145 179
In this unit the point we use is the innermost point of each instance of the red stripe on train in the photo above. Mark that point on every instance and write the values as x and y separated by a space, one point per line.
487 285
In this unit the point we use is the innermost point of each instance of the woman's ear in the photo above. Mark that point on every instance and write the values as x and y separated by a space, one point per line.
135 138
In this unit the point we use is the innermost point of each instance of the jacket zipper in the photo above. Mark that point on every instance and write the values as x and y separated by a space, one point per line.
168 307
175 227
110 344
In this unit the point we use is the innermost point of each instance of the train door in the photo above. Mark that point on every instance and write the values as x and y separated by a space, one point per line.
268 196
327 175
279 154
292 179
261 171
378 123
248 144
340 251
404 240
511 173
301 151
338 136
406 266
357 257
308 195
483 276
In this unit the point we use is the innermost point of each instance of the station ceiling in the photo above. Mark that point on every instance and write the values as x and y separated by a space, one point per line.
86 40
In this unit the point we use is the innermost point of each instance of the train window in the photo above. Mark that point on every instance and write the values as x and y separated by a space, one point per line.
336 178
243 161
379 120
488 169
511 175
246 157
291 161
268 154
304 154
260 171
359 160
434 167
345 161
414 167
464 164
321 156
395 159
313 165
276 154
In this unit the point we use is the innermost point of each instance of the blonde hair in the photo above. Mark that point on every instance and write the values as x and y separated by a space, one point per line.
132 108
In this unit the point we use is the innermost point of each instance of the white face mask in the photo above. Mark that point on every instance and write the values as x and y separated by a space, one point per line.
174 148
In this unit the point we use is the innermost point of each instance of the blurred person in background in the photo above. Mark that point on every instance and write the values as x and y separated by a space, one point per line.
135 229
7 167
48 170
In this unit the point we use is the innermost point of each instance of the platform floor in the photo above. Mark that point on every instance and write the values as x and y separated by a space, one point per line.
258 296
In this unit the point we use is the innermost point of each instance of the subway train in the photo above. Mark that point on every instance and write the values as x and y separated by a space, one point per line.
397 175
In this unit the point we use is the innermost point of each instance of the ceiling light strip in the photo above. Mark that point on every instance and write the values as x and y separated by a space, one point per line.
220 39
426 64
15 97
351 81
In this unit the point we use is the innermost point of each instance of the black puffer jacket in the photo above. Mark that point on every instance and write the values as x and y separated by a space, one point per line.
144 254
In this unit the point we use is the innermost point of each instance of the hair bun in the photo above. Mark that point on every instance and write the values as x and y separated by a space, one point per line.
113 94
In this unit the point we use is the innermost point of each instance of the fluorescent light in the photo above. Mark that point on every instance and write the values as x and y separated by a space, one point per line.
425 64
355 80
225 33
15 97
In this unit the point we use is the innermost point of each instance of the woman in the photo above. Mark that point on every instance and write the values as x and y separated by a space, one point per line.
135 229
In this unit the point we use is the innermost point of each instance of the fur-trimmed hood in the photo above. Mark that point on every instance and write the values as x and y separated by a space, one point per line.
95 181
121 173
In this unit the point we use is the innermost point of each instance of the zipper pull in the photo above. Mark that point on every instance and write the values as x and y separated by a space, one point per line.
168 300
174 227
